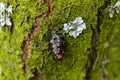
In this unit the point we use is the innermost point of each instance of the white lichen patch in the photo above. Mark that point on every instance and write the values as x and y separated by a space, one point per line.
115 8
5 13
74 28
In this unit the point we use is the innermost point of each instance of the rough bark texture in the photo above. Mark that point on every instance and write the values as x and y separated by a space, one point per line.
25 52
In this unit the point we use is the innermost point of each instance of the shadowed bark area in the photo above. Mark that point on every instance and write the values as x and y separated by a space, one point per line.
94 39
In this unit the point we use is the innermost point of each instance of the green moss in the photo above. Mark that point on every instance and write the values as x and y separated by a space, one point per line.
76 50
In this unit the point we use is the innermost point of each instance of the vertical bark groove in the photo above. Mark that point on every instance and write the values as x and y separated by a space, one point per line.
34 31
94 40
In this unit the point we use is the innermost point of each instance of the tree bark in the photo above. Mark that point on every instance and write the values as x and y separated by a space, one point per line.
25 53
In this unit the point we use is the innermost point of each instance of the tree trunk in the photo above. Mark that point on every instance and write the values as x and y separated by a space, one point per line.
25 53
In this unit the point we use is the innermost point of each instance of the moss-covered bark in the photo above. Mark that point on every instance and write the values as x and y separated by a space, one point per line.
94 55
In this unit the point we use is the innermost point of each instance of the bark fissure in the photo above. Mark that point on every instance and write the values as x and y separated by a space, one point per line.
94 40
34 31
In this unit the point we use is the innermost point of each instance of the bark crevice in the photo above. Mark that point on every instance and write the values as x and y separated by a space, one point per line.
34 31
95 40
